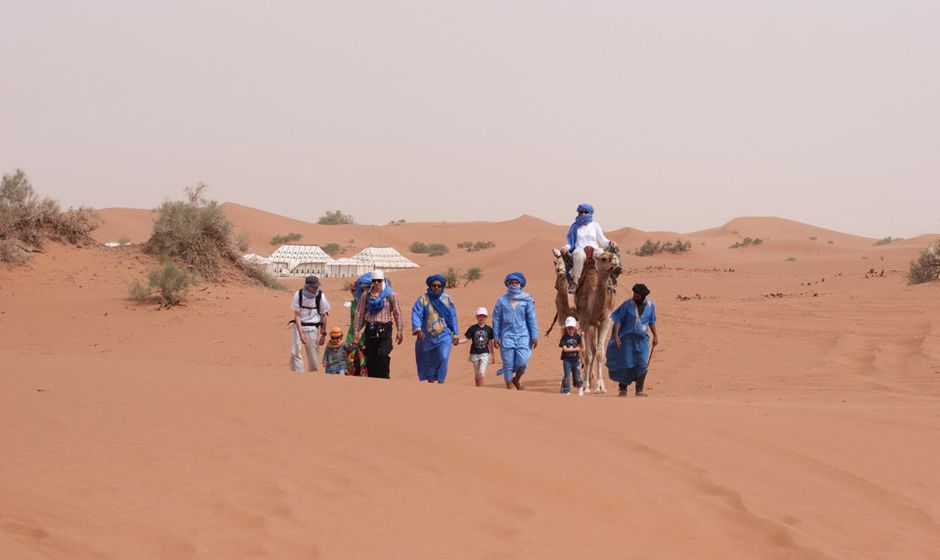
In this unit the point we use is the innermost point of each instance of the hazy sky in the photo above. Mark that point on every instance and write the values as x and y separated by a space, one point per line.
664 114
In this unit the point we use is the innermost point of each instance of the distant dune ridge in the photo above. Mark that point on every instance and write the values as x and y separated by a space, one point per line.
794 410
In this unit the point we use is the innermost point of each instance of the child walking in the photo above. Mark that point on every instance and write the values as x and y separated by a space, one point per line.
334 357
571 349
480 337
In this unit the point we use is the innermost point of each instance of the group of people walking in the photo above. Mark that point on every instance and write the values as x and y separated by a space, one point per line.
375 313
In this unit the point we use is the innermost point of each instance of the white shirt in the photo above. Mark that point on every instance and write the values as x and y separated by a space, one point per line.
590 235
309 315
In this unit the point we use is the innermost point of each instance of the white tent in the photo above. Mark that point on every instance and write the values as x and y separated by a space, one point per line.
385 258
339 268
263 262
299 260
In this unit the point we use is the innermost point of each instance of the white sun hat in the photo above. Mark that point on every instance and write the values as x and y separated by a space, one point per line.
482 311
378 275
571 322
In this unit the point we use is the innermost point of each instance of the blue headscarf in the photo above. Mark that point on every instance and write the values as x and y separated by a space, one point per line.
362 284
435 298
515 292
581 220
377 303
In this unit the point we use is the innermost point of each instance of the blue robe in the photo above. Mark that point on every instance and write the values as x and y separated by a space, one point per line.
629 362
432 353
515 328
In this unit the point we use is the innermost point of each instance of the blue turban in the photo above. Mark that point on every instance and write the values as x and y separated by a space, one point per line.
578 222
437 277
515 276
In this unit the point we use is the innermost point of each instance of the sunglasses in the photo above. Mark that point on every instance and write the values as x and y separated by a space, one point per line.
377 281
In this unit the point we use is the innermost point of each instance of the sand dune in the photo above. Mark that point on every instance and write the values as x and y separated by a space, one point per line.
793 412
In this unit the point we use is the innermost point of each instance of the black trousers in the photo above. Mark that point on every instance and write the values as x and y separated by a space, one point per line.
378 339
639 384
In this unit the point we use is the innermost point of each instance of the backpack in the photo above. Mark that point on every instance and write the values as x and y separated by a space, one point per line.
316 303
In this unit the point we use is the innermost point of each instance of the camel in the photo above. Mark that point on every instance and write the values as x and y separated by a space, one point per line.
595 299
564 306
594 302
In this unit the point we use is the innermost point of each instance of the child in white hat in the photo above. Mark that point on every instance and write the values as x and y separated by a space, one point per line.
571 348
480 336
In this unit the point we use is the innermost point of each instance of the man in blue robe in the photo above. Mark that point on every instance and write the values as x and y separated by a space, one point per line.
434 324
515 328
629 349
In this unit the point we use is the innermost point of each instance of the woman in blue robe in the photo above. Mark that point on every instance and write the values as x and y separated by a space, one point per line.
629 348
434 324
515 329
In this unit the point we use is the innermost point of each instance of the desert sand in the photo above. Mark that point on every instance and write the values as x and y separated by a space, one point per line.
794 411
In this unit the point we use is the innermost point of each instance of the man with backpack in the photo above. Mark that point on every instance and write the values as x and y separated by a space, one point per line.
311 310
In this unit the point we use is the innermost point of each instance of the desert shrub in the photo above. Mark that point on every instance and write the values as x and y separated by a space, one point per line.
284 239
334 218
396 222
452 276
195 232
242 242
650 248
75 226
887 240
418 247
813 238
748 242
333 249
472 274
167 283
473 246
27 220
11 253
791 259
926 266
437 249
263 277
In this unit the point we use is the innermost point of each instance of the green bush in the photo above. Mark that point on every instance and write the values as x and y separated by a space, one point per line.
926 266
748 242
452 276
263 277
418 247
333 249
285 239
334 218
437 249
167 283
26 220
887 240
472 246
195 232
472 274
650 248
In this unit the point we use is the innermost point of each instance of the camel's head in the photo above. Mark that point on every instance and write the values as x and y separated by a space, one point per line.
606 262
560 265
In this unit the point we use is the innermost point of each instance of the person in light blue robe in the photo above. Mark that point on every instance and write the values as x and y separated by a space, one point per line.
629 349
434 324
515 329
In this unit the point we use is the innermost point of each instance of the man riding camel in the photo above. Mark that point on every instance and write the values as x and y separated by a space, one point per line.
584 232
